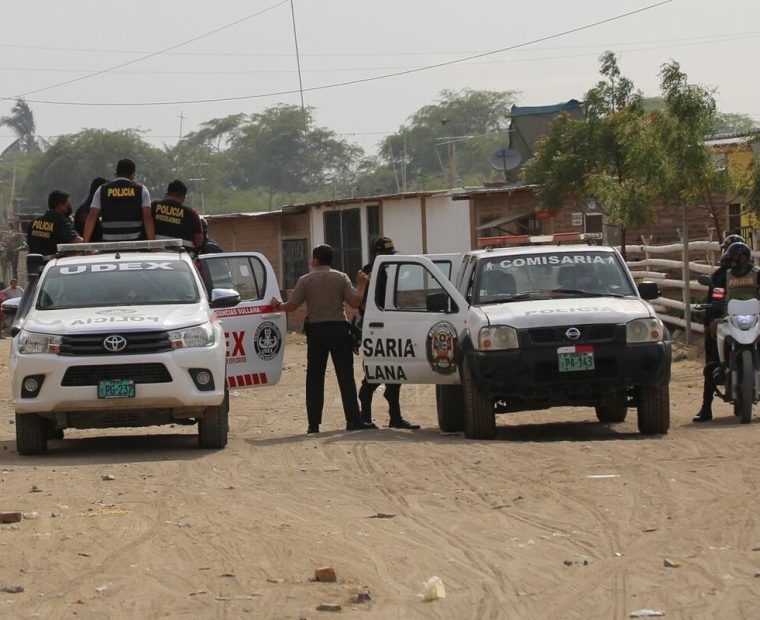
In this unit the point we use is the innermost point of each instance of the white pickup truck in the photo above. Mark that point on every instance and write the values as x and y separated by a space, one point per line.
138 334
520 328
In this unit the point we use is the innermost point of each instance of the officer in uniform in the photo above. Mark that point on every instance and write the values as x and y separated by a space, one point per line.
123 207
83 210
717 280
382 245
325 290
175 220
46 231
209 246
742 281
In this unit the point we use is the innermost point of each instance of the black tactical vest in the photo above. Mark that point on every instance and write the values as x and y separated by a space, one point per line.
742 287
121 210
173 220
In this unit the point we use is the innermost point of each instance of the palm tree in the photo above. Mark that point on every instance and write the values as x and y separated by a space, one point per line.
21 121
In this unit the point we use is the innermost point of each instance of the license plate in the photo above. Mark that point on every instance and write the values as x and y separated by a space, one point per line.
575 358
116 388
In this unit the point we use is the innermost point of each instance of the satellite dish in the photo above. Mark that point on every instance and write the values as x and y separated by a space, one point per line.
505 159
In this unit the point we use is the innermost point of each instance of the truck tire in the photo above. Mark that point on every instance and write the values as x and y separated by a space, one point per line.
745 389
614 408
654 409
31 434
449 401
214 426
479 415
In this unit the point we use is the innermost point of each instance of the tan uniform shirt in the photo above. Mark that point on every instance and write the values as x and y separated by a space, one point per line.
324 290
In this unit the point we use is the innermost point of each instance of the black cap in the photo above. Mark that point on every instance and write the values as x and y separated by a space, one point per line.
383 245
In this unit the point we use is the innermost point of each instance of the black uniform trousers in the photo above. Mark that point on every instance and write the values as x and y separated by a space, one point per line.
392 395
333 339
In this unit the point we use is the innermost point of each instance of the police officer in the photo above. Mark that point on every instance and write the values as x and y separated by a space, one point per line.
123 207
325 290
46 231
209 246
83 210
382 245
742 281
175 220
712 361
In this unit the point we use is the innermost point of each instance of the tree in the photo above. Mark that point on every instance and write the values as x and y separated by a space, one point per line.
730 123
21 122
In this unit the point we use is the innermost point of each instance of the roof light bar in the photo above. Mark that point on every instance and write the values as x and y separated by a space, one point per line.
116 246
508 240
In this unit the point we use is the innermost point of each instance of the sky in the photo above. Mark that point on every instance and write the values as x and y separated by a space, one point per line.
86 64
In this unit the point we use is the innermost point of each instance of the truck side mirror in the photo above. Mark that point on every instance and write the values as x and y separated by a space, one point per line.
649 290
35 263
439 302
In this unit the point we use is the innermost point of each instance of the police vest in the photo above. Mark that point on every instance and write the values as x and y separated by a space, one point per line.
121 210
173 220
742 287
45 232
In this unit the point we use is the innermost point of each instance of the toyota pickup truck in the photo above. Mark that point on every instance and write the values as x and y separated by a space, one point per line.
520 328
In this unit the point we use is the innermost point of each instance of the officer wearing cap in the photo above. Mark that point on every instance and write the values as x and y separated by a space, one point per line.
46 231
382 245
325 290
175 220
123 207
208 246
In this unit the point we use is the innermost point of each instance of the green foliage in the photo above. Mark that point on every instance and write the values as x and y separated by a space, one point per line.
21 122
730 123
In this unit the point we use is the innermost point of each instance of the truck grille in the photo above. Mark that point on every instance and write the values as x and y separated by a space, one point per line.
137 342
556 335
77 376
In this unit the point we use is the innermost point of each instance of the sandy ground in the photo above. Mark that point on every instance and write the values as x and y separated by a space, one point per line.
560 517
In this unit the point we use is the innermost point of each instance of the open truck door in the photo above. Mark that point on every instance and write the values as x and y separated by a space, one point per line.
413 321
254 331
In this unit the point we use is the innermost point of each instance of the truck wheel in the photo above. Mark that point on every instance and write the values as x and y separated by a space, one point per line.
449 402
479 416
214 425
745 389
31 433
613 409
654 409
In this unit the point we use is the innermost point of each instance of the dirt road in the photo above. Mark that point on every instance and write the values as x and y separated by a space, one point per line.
560 517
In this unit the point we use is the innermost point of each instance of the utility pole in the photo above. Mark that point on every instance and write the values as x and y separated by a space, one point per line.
181 117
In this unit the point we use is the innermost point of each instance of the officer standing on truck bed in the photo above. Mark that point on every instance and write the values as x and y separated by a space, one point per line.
123 207
46 231
175 220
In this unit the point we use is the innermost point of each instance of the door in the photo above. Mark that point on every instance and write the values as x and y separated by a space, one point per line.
254 332
413 322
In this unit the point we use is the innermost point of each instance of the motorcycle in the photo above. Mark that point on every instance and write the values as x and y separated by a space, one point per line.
737 341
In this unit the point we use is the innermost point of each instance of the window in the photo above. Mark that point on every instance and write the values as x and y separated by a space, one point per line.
295 261
734 217
343 234
373 223
414 284
245 274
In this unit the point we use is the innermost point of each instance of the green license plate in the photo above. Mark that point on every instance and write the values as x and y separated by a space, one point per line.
576 360
116 388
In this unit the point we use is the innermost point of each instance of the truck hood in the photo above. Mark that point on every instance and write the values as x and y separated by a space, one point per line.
122 319
553 312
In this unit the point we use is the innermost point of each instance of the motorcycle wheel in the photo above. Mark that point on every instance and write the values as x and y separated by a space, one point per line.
745 388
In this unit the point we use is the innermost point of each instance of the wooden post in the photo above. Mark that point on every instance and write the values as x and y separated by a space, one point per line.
685 275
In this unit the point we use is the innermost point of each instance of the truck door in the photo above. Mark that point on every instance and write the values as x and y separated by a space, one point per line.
412 323
254 331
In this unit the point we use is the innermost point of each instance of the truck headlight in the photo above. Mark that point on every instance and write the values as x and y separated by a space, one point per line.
33 342
497 338
744 321
188 337
644 330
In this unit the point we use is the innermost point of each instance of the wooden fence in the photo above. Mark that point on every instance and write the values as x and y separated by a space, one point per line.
646 262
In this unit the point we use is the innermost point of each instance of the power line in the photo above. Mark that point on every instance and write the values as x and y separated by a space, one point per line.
359 80
152 54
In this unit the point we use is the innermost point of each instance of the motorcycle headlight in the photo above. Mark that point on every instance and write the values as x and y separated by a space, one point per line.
188 337
744 321
497 338
32 342
644 330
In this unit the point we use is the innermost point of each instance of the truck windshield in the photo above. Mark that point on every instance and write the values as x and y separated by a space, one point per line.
551 275
117 283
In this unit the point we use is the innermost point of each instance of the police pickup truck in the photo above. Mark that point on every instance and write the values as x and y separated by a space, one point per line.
520 328
137 334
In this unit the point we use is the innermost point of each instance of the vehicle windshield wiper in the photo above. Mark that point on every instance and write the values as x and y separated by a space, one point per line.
582 293
500 298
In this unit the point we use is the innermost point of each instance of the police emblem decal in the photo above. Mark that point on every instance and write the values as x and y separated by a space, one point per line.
267 340
441 346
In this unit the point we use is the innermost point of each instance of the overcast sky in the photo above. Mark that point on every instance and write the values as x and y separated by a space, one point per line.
243 51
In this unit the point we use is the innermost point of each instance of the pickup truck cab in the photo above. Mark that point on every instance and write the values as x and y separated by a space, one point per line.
131 335
520 328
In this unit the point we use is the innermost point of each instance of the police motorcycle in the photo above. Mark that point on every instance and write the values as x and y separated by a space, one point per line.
738 333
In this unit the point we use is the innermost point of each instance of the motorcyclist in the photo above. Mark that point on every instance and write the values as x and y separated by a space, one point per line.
742 281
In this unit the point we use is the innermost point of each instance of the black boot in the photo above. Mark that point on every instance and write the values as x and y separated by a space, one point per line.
365 401
399 422
704 415
708 391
